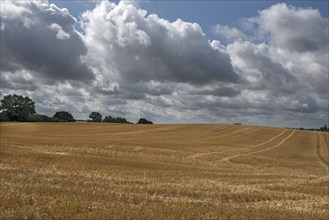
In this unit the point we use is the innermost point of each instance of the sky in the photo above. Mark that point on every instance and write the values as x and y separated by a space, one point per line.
249 62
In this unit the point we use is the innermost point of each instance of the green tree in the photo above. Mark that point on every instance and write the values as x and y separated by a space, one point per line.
96 116
108 119
42 118
144 121
111 119
4 117
120 120
64 116
16 108
324 128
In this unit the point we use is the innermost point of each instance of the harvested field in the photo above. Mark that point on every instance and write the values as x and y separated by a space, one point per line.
119 171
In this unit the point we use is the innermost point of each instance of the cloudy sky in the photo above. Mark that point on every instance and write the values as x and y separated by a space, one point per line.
254 62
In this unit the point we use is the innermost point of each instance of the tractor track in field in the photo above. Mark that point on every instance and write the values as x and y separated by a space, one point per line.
321 160
238 131
243 148
217 152
208 131
263 150
257 145
326 140
248 132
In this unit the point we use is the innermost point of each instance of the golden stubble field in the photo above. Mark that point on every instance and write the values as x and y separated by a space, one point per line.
119 171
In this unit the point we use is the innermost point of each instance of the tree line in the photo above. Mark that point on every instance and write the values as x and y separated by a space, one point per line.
97 117
18 108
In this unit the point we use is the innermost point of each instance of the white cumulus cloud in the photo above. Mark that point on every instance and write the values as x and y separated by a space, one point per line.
60 33
129 63
143 47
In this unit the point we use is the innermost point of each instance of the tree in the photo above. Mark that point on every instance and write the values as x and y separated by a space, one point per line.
42 118
96 116
108 119
16 108
111 119
144 121
121 120
4 117
64 116
324 128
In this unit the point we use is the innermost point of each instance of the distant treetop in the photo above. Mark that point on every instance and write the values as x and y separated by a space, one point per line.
96 117
64 116
111 119
144 121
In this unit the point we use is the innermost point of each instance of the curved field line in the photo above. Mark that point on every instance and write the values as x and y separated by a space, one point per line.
202 154
233 132
326 140
260 151
248 132
205 131
321 160
216 152
243 148
219 130
257 145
